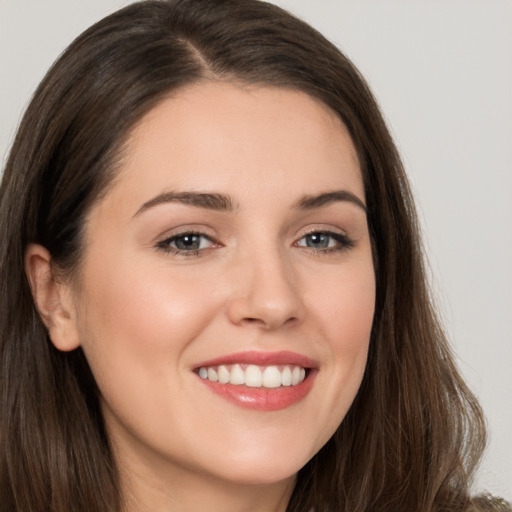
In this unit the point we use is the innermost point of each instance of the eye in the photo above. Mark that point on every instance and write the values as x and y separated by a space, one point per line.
325 241
189 243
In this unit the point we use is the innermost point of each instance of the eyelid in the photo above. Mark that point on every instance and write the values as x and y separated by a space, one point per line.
164 243
344 241
185 229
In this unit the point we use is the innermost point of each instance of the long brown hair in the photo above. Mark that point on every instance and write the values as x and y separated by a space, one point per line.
414 434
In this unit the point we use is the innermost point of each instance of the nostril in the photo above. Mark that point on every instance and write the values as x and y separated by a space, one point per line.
254 321
291 320
268 323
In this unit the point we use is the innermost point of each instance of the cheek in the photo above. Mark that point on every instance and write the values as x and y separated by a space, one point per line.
344 311
344 305
135 316
353 314
136 326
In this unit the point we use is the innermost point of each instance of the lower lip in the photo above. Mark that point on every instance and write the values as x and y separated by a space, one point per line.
263 399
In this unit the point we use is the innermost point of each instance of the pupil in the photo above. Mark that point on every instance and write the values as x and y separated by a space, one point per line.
187 242
318 240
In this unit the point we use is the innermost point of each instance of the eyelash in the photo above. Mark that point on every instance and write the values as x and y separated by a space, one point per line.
343 243
165 245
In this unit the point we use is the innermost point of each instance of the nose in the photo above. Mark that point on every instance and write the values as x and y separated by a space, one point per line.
265 294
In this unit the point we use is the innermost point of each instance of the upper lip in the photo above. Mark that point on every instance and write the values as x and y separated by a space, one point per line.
258 358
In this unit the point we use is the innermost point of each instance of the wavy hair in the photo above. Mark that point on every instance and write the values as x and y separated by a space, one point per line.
414 434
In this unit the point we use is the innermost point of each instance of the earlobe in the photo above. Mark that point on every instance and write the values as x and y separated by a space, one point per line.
53 299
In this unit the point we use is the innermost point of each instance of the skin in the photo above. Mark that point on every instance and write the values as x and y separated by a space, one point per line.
146 317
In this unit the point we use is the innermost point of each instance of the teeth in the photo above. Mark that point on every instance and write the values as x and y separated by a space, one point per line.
271 377
237 375
286 376
254 376
223 374
295 376
212 375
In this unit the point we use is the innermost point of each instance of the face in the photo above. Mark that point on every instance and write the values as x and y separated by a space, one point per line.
226 294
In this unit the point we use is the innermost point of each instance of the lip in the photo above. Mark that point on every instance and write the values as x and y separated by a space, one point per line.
262 359
262 399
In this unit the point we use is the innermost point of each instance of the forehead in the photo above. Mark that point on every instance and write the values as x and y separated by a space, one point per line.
239 139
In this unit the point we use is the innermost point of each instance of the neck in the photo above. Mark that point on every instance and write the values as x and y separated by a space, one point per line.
153 489
200 494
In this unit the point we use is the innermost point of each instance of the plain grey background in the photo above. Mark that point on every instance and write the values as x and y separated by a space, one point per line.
442 72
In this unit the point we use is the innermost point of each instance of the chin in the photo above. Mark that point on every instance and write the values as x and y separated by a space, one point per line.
262 471
260 475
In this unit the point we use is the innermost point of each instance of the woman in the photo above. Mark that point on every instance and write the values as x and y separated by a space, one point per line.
216 297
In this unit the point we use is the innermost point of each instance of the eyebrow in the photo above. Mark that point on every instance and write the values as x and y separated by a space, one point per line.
209 201
327 198
222 202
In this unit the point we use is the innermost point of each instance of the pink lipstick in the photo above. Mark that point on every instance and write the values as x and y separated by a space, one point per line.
265 381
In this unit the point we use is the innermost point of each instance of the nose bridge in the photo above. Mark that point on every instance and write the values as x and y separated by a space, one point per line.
266 291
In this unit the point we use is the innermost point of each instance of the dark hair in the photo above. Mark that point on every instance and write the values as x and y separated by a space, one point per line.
403 445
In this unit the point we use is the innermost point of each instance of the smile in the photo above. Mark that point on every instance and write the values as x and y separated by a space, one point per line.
254 376
258 380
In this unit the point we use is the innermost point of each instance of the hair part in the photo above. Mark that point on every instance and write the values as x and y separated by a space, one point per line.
402 446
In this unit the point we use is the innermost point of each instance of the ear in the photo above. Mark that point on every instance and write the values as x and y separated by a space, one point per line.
54 300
